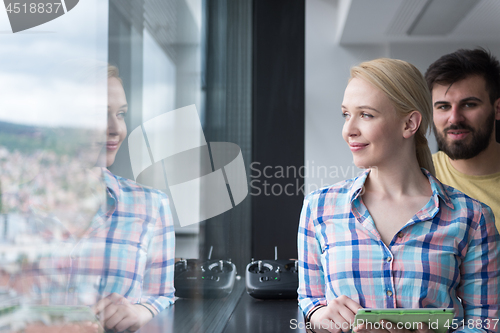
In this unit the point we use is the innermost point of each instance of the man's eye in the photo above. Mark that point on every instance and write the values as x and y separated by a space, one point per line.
470 105
443 107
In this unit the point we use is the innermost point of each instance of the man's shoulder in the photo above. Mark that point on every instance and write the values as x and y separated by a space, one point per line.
439 158
441 165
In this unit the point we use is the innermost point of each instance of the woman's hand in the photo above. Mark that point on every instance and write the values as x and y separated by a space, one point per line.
336 317
116 313
389 327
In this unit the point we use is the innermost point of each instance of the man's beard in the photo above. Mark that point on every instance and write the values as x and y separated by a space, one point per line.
459 150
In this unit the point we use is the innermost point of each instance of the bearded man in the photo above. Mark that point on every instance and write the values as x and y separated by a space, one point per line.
465 88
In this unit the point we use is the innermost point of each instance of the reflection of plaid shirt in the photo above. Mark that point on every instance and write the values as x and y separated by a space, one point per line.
448 251
129 249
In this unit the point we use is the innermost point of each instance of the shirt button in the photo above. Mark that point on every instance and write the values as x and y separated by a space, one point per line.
389 293
400 234
389 259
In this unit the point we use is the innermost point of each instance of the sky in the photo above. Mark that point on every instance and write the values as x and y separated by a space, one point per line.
54 74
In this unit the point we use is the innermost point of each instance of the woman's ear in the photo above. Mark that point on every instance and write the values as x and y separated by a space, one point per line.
411 124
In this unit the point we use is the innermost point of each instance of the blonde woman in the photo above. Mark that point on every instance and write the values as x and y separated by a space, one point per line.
121 263
394 237
137 228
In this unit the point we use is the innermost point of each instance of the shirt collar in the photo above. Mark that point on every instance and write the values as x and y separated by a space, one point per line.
438 190
357 187
436 186
111 182
112 190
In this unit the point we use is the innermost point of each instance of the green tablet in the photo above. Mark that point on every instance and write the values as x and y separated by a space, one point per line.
438 319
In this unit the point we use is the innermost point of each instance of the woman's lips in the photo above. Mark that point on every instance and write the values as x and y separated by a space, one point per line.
354 146
112 145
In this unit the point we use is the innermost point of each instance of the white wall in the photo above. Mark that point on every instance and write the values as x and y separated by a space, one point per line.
327 71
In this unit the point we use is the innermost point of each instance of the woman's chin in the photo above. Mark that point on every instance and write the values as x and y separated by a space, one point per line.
361 164
110 160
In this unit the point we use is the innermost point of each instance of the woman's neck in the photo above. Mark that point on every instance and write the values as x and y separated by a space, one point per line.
400 179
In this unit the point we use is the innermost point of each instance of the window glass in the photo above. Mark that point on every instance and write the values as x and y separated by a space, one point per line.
56 96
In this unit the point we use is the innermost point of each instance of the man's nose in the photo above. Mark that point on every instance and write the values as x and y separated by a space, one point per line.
456 115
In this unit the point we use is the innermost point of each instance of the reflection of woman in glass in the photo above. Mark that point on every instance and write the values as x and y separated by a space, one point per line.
138 258
394 237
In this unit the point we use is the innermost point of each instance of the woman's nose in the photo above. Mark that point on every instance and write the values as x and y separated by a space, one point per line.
350 128
113 127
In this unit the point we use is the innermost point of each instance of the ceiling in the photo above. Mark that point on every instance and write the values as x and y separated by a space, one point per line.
388 21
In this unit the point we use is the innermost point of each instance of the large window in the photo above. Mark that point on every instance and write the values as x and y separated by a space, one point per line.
54 127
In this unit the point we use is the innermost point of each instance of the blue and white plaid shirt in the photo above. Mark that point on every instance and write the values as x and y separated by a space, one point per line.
446 256
128 249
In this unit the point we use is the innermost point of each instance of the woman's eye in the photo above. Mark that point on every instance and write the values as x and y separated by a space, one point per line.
121 115
345 115
366 115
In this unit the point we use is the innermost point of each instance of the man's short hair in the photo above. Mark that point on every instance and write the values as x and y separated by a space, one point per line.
463 63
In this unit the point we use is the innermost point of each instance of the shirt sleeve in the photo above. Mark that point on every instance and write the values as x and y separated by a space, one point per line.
311 291
480 277
158 285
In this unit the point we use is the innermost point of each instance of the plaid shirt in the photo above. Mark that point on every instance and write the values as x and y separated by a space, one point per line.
128 249
446 256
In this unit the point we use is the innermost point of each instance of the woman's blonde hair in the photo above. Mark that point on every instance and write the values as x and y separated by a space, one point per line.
405 86
113 72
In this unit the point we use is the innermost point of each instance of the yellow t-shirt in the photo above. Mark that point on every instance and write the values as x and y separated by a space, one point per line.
483 188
